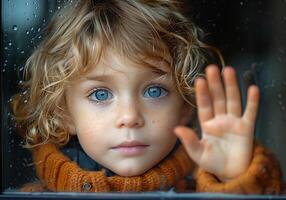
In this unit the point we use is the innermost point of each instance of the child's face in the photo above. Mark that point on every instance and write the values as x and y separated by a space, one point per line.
124 114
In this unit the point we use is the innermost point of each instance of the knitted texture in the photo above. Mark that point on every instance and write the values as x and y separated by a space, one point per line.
59 173
263 176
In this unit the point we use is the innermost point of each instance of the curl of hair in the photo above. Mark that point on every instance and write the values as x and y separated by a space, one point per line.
77 37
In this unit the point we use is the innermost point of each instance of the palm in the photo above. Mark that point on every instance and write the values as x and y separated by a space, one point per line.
227 136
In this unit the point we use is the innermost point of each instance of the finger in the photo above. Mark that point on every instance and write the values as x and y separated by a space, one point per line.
203 98
190 141
216 89
233 100
252 104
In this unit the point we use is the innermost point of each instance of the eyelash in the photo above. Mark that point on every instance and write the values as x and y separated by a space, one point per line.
95 90
145 90
157 85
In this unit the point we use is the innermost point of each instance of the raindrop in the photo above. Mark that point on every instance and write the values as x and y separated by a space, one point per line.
32 29
241 3
6 48
25 92
10 165
22 52
27 32
15 27
10 43
25 101
28 19
59 7
39 29
27 4
21 69
3 70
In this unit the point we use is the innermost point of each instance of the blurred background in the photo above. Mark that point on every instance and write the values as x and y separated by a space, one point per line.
250 35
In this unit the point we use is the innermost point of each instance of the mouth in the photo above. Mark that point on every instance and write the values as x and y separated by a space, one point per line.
130 148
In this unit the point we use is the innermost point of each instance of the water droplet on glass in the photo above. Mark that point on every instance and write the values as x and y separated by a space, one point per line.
39 29
10 43
32 29
6 48
22 52
27 32
15 28
25 101
241 3
21 69
28 19
3 70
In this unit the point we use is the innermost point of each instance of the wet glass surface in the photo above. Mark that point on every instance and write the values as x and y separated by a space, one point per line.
250 35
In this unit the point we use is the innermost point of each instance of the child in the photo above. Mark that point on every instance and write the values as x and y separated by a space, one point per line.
118 76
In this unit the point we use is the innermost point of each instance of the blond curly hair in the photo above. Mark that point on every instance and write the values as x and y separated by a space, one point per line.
77 37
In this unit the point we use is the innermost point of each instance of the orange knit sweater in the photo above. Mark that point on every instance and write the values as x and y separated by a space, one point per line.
58 173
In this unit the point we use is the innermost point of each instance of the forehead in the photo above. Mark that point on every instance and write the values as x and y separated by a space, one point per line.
113 62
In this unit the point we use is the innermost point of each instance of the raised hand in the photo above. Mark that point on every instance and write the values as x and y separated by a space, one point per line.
226 146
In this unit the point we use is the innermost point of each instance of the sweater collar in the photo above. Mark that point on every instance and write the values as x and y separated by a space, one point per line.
60 173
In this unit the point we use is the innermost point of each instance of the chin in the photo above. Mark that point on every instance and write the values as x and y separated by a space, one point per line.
130 171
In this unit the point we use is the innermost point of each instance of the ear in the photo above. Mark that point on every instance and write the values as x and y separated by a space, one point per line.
187 112
71 128
69 124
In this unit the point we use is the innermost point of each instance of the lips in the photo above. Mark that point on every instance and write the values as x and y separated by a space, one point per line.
130 144
130 148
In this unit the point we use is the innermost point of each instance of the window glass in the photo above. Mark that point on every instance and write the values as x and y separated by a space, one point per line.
249 34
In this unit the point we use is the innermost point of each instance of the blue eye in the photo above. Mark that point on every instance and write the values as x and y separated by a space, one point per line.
155 92
100 95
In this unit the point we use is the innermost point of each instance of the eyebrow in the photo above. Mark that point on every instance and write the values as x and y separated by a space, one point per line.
98 78
155 70
160 74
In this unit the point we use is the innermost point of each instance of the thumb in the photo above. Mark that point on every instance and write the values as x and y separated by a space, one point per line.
190 141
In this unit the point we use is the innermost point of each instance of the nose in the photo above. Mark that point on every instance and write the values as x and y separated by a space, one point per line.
129 116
